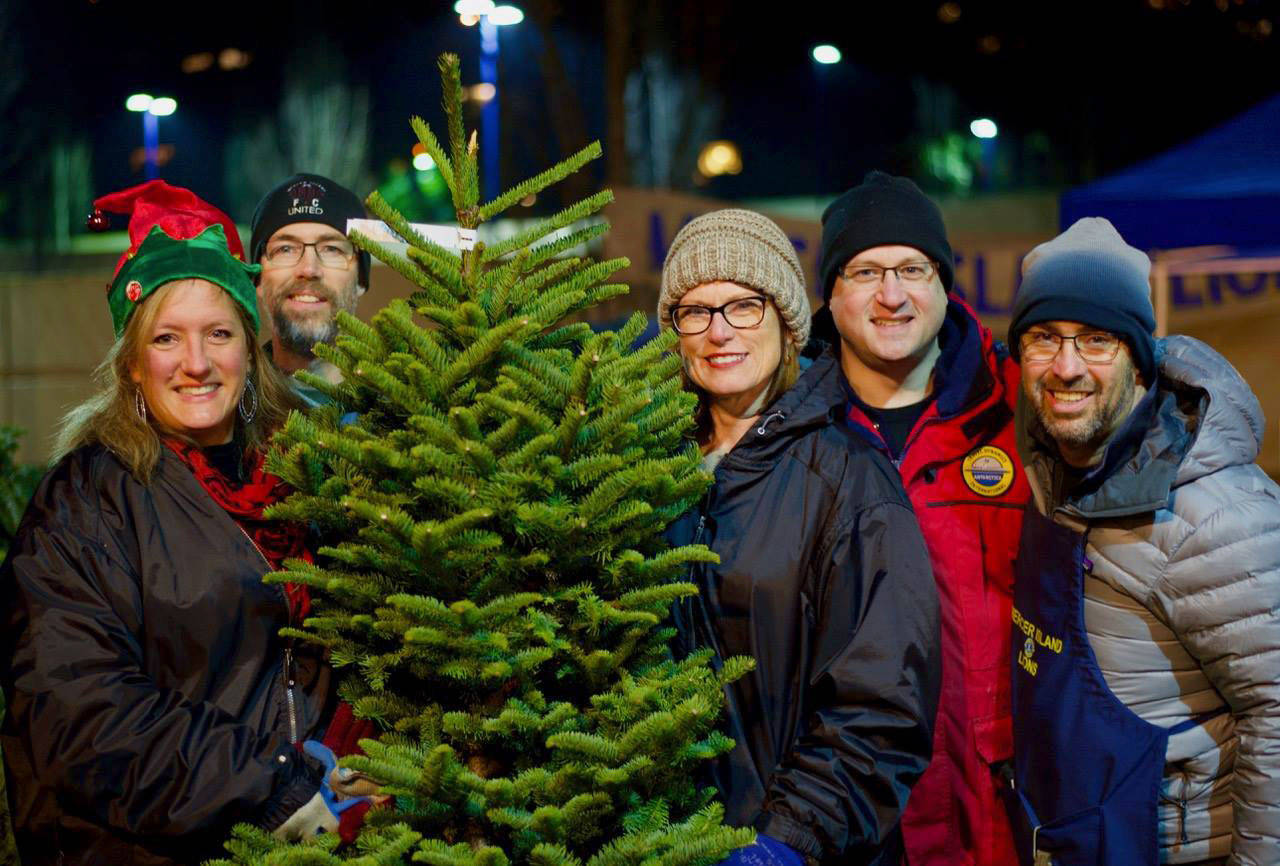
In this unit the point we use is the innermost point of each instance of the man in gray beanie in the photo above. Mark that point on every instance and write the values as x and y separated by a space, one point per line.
1146 616
932 390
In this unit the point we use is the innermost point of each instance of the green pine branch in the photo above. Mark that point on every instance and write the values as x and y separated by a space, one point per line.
494 590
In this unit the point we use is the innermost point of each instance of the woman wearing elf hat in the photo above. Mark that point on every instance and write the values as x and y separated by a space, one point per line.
822 576
151 703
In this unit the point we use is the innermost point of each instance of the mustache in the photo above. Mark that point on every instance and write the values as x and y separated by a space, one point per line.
1082 382
298 287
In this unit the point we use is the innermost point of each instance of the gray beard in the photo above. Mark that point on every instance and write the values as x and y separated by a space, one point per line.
1099 428
301 338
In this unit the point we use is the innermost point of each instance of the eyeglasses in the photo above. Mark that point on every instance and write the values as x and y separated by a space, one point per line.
692 319
1093 347
912 273
332 253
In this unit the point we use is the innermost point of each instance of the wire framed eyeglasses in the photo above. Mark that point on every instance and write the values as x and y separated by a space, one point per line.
1093 347
331 253
912 273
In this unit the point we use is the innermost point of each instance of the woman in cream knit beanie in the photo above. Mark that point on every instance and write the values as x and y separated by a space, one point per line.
735 362
820 570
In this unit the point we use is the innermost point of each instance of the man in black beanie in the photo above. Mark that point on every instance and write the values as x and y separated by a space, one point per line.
310 270
930 387
1146 706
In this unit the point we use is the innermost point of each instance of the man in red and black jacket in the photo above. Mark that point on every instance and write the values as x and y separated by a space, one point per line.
932 389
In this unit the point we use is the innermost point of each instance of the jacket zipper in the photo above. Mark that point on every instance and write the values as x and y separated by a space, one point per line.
286 673
765 423
1182 800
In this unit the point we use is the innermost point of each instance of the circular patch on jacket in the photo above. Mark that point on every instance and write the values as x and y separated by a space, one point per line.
988 471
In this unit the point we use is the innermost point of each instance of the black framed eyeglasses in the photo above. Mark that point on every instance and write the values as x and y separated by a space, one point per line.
912 273
331 253
1093 347
692 319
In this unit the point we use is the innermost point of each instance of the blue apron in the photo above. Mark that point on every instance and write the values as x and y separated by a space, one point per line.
1087 770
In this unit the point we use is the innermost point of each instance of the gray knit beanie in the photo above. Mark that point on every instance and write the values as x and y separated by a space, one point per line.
1088 274
739 246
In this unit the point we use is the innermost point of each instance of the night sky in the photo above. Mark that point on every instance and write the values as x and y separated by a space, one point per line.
1103 83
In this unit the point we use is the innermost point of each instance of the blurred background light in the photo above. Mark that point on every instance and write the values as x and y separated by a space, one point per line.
422 160
482 92
719 157
473 8
194 63
233 58
506 15
983 127
826 54
138 102
949 13
162 106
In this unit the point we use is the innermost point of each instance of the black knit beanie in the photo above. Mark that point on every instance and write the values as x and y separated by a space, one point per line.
307 198
883 210
1088 274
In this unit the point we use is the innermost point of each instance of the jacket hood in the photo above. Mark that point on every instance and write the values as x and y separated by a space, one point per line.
815 400
1201 418
1232 423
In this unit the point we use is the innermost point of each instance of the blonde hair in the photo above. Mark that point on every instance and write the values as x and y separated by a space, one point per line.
110 417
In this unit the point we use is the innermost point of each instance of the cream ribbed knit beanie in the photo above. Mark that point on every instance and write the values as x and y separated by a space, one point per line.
739 246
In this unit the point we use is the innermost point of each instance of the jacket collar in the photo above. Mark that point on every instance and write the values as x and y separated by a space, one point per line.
1139 464
962 377
815 400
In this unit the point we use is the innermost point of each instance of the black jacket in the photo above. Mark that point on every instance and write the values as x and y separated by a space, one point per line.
143 674
825 580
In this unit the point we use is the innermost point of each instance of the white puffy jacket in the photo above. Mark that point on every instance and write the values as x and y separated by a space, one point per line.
1182 607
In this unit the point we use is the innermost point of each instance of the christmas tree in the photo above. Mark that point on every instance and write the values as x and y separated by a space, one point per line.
495 589
17 483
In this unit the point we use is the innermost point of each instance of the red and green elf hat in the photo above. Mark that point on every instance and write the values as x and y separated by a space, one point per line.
173 235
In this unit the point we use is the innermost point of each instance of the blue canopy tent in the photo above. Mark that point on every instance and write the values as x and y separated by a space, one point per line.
1220 188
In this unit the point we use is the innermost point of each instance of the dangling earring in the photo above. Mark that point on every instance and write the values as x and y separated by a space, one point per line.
247 412
140 404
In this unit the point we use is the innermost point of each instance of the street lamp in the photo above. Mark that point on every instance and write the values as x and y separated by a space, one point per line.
826 54
490 17
983 127
152 108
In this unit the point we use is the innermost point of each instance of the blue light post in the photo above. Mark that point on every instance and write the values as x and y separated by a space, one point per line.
490 18
489 114
152 109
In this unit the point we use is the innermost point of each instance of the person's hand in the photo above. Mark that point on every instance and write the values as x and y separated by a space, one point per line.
341 787
340 804
765 851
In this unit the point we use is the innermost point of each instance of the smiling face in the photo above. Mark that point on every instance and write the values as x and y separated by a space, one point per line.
303 299
1080 404
194 360
734 366
888 326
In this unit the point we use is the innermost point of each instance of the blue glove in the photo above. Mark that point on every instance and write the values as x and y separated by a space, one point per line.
766 851
325 755
321 813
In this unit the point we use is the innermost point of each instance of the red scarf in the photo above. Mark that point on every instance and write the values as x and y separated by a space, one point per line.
277 541
244 501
